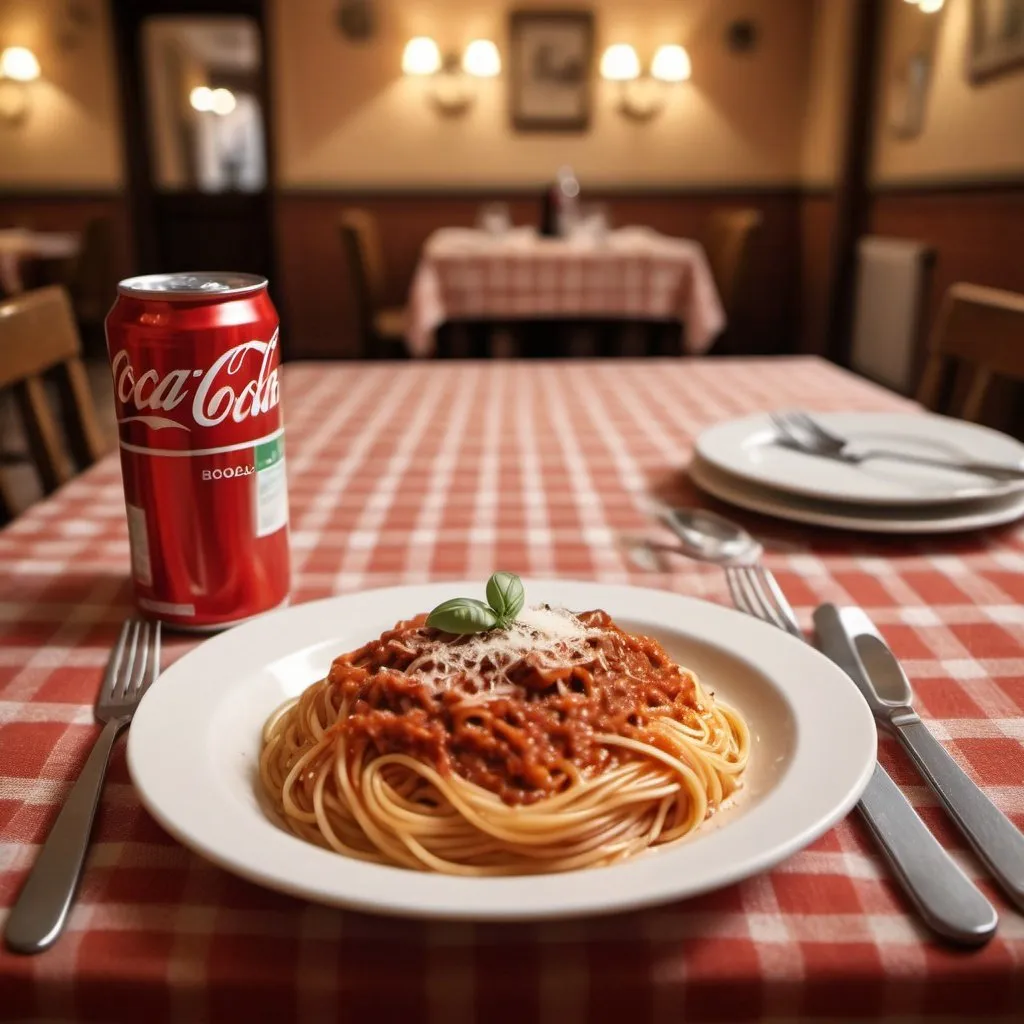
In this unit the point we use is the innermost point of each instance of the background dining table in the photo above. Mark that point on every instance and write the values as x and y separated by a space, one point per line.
448 471
632 273
19 246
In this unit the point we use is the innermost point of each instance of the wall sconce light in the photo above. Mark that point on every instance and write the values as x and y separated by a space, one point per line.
212 101
452 88
644 94
18 69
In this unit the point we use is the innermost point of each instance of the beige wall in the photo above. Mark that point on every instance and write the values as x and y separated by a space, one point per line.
71 137
828 91
968 130
346 116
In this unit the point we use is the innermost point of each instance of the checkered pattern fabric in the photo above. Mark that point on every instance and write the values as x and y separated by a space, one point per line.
639 276
406 473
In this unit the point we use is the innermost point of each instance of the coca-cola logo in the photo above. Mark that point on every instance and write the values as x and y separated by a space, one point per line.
215 393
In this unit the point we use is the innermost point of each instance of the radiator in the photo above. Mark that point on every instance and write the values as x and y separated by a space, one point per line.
892 282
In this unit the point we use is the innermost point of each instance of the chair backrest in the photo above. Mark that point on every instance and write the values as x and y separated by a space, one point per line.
95 274
38 336
982 328
361 244
893 279
727 241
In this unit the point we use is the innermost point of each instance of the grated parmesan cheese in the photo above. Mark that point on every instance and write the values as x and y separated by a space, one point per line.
553 636
553 623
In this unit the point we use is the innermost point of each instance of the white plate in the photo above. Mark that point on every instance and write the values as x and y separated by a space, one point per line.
194 744
956 518
744 449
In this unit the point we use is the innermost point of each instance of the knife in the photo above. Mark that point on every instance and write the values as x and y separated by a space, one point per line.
947 900
880 678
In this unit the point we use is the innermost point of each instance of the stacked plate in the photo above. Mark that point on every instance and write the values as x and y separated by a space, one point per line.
743 463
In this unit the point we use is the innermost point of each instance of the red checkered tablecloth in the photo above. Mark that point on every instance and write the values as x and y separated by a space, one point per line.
408 472
633 274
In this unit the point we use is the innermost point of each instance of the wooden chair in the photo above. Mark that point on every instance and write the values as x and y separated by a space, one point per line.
94 282
37 336
381 328
982 328
728 237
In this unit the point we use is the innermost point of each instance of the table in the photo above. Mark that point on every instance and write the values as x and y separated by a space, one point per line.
18 245
410 472
632 273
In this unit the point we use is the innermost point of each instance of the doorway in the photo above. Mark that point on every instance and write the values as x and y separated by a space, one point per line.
194 94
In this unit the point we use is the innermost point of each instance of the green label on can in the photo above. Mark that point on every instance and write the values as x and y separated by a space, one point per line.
271 487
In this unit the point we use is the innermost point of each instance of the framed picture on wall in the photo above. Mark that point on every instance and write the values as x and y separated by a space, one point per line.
551 54
996 39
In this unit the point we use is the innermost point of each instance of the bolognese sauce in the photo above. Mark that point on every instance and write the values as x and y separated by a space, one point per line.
521 712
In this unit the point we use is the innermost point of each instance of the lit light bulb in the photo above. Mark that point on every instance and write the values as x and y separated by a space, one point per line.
481 59
619 63
671 64
201 98
222 101
19 63
421 57
930 6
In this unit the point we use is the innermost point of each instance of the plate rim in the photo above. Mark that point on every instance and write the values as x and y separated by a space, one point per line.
756 498
759 420
859 732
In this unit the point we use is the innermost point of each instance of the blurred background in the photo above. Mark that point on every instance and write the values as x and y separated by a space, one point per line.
840 162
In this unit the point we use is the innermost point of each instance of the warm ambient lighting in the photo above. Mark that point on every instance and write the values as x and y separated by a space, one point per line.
18 70
201 98
671 64
619 63
481 59
931 6
421 57
19 64
212 101
451 87
642 94
223 101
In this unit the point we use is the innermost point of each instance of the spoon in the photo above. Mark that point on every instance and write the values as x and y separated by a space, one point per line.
709 537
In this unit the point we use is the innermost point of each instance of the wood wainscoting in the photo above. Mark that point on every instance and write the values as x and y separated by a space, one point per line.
313 286
974 227
976 230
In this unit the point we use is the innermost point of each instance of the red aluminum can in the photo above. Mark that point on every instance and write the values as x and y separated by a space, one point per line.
195 362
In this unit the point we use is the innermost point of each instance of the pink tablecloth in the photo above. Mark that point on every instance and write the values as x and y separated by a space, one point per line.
632 274
405 473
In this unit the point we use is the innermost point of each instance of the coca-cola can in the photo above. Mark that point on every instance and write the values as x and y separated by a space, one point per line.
195 363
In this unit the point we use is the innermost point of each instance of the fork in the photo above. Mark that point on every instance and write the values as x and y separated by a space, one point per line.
38 917
802 433
755 591
944 896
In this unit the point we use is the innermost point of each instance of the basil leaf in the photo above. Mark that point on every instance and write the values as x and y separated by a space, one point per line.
505 594
462 615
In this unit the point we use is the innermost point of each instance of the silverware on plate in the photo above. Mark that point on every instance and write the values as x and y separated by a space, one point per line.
38 916
873 667
802 433
948 902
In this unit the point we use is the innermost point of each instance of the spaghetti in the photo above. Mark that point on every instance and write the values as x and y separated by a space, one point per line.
558 742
